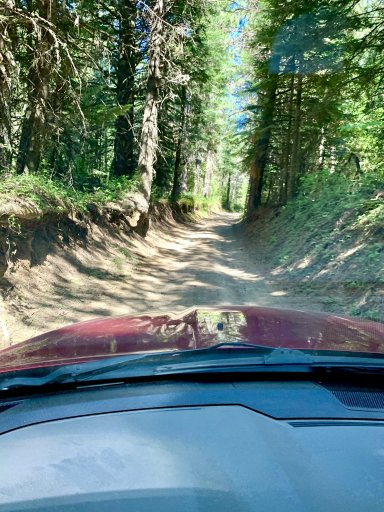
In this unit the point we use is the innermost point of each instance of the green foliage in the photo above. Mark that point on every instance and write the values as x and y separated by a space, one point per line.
78 74
316 69
53 195
199 203
330 238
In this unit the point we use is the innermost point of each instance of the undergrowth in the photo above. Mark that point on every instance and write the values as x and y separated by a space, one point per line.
47 193
329 241
200 203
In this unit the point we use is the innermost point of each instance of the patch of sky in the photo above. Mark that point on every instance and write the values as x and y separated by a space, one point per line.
236 87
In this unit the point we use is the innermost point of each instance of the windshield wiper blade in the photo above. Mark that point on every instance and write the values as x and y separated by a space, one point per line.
60 375
141 366
295 359
152 363
235 344
68 374
214 359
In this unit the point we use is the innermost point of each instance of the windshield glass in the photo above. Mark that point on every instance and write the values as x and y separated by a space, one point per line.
180 174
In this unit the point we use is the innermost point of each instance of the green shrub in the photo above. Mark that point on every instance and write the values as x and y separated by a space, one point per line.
46 192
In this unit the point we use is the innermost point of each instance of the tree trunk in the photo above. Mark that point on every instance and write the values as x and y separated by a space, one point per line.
197 176
288 142
228 197
184 177
124 163
270 191
150 133
261 152
356 160
322 149
295 159
7 65
34 126
208 173
179 167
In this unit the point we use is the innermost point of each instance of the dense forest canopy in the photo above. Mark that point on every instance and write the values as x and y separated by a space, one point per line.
316 72
249 102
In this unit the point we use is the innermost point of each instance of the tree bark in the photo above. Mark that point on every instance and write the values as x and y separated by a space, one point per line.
197 176
261 152
34 126
179 167
209 172
124 163
322 149
295 158
7 65
288 143
356 160
150 132
228 197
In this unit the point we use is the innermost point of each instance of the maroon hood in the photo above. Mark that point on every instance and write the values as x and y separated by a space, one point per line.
194 329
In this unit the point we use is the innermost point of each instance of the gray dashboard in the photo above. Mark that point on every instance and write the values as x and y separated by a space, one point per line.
183 456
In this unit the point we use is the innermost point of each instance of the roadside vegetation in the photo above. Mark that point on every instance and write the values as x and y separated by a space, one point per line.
328 243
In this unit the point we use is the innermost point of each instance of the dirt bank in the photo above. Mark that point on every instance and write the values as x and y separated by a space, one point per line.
178 265
328 252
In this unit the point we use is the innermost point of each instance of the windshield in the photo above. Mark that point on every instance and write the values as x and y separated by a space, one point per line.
183 174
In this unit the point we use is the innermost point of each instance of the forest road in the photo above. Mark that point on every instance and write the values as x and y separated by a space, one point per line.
209 262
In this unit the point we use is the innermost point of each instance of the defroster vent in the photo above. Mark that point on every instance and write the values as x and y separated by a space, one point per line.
356 399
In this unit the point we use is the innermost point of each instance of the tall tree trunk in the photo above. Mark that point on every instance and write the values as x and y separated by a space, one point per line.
209 172
34 126
270 191
228 197
58 136
179 167
322 149
184 177
295 158
7 65
150 132
124 163
261 152
197 176
288 142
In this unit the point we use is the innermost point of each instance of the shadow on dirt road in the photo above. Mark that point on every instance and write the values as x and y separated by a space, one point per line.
205 263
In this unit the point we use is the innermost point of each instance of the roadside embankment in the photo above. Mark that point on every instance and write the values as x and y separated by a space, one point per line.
54 248
328 244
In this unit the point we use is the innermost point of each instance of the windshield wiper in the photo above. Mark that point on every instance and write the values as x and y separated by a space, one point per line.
296 360
68 374
140 366
219 358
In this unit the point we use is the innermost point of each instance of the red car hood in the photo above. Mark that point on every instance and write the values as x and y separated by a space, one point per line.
194 329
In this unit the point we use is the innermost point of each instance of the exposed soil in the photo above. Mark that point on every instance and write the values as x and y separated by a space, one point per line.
209 262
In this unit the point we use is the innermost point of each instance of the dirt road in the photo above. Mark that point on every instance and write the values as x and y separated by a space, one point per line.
207 263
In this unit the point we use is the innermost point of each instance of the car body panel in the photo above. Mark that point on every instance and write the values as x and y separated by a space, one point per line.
194 329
